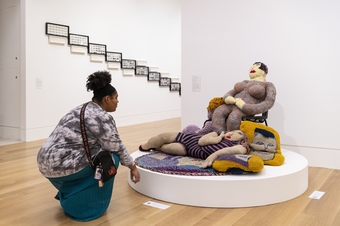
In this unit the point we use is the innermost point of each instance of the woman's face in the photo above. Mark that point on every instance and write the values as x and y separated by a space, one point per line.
234 135
113 103
255 71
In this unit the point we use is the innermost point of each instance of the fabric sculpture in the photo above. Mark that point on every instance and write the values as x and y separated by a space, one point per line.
249 97
199 146
174 164
263 142
248 163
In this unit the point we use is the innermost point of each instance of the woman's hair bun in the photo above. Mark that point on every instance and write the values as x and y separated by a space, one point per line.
98 80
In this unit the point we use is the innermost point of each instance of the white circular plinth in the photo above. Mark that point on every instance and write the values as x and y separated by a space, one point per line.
273 184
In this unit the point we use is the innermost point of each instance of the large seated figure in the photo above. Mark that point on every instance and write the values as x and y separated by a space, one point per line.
249 97
198 146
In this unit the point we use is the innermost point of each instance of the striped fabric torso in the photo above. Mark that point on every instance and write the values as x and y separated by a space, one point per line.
190 142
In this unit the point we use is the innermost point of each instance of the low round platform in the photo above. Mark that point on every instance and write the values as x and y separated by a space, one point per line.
273 184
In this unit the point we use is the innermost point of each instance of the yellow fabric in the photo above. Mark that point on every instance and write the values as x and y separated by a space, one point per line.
255 164
249 128
214 103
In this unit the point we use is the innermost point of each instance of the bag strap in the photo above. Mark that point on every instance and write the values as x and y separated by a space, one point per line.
83 134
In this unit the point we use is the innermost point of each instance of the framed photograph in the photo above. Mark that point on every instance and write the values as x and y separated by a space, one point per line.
154 76
98 49
175 86
142 70
113 57
128 64
78 40
57 30
164 81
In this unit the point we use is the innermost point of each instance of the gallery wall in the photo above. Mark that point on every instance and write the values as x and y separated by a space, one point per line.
299 42
10 90
53 78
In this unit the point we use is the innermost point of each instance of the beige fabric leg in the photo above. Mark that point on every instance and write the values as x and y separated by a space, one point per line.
173 149
157 141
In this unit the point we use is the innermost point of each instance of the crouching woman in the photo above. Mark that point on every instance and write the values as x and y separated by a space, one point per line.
64 161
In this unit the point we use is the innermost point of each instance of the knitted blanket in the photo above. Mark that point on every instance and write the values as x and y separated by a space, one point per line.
179 165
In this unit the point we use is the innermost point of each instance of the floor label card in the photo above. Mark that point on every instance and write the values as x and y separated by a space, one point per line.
157 205
317 194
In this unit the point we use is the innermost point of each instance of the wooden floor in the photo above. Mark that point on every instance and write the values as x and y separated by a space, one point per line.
26 197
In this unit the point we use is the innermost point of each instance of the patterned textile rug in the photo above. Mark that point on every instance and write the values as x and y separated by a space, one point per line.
179 165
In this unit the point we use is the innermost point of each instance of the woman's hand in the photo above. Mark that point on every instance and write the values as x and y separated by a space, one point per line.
239 103
230 100
134 174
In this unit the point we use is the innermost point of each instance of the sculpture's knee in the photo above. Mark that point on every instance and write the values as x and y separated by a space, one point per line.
219 116
167 137
234 120
157 141
173 149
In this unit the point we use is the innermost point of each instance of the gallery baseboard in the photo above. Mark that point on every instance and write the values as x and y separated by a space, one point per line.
10 132
318 157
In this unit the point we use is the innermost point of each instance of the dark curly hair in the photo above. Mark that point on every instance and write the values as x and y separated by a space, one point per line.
263 67
98 80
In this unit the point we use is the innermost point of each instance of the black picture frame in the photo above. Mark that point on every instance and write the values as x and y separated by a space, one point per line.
98 49
154 76
128 64
164 81
114 57
175 86
141 70
57 29
78 40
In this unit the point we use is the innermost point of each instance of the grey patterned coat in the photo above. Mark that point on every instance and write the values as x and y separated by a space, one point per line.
63 153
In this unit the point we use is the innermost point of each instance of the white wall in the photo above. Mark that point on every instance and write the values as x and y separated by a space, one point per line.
141 30
298 40
9 68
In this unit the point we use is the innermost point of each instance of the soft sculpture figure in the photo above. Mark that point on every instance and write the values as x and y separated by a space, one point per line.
249 97
199 146
263 142
207 127
247 163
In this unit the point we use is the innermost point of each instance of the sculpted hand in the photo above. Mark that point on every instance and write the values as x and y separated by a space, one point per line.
240 103
208 162
230 100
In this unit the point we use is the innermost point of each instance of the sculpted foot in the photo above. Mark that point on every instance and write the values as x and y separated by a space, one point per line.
144 150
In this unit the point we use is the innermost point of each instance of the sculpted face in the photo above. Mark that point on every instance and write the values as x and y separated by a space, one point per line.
257 72
234 135
261 143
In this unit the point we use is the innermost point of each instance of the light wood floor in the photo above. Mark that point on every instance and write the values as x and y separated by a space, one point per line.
26 197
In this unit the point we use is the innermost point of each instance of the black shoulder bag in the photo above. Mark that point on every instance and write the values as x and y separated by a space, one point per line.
103 163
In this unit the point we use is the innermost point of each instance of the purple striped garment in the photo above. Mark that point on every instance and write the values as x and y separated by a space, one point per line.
190 142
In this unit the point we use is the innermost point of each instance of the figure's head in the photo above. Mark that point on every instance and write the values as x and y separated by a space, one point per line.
104 93
237 135
264 141
213 104
258 72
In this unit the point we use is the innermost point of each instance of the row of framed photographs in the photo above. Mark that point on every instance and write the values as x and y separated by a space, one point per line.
93 48
164 81
82 40
116 57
